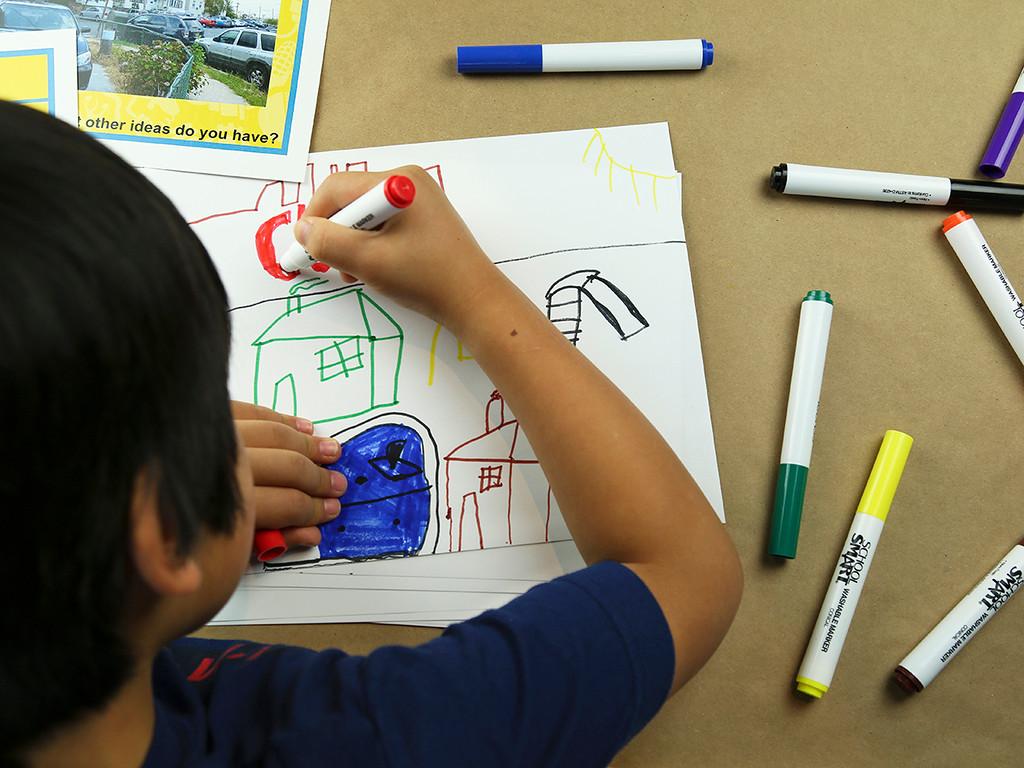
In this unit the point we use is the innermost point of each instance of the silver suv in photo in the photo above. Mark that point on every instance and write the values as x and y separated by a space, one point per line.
250 52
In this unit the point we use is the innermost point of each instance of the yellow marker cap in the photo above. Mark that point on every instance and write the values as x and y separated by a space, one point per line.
885 475
810 687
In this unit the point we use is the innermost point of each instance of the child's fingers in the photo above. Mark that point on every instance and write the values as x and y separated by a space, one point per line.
248 412
340 247
296 538
291 508
289 469
269 434
340 189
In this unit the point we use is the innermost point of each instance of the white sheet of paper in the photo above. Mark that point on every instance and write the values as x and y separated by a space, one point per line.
602 203
580 220
38 69
279 606
503 573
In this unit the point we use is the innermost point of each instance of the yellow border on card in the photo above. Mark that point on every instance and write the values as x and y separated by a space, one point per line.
240 127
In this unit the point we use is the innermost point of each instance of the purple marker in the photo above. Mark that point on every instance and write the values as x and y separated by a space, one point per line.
1007 135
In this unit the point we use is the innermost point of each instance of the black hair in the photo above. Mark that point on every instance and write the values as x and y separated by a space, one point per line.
114 340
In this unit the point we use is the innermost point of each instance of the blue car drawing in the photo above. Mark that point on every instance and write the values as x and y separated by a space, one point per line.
386 509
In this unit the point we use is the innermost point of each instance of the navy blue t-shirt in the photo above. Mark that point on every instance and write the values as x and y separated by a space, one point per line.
563 675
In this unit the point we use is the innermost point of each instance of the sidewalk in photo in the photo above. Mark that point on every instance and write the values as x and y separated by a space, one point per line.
99 80
216 91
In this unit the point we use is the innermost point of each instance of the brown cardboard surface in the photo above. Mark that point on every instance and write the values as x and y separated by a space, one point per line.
913 87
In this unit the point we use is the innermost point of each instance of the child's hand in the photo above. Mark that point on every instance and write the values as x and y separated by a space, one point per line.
425 258
291 491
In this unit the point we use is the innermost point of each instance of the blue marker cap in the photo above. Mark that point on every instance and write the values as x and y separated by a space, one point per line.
709 53
501 58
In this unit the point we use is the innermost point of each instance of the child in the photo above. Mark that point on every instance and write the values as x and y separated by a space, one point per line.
130 505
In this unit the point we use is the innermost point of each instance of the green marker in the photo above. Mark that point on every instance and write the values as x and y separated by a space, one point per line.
801 414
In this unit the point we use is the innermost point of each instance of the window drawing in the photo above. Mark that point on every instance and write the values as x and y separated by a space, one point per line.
490 477
341 358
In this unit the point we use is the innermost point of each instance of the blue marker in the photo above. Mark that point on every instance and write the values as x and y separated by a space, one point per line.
586 57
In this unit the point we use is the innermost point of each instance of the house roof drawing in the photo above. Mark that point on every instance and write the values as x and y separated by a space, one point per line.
497 443
345 314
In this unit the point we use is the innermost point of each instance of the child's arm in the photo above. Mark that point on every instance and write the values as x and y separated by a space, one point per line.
622 491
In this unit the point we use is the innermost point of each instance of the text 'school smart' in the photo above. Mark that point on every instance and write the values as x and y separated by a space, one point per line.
844 591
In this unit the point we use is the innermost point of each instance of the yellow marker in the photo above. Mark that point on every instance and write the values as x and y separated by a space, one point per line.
833 624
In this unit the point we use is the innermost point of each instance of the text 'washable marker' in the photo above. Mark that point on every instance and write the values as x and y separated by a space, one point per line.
368 211
801 415
844 591
962 624
644 55
849 184
1007 134
1005 304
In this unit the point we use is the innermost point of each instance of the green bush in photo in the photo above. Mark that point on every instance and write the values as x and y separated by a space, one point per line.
149 70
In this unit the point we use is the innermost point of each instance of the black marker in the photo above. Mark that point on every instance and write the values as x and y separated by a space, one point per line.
818 181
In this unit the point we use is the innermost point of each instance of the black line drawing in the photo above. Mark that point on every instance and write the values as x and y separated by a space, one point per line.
565 305
512 260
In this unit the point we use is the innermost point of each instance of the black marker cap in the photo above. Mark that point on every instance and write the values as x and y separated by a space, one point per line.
777 178
968 194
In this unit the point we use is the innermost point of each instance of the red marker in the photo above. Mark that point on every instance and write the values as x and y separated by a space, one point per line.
268 544
369 211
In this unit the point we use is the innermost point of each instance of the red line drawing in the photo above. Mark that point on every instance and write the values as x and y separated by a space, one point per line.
484 471
281 204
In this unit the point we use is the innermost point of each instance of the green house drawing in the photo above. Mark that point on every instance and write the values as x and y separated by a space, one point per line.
329 357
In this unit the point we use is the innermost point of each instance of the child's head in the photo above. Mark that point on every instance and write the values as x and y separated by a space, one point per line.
121 504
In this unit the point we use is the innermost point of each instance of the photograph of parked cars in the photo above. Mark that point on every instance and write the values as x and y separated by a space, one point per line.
170 48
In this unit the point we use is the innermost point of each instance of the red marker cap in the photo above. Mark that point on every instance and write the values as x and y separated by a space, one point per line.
399 191
957 218
268 544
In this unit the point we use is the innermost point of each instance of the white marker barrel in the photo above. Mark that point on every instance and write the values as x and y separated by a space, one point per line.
830 630
962 623
801 415
820 181
368 211
1005 304
836 615
585 57
626 56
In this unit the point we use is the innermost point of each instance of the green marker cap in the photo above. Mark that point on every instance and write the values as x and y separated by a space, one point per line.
819 296
789 506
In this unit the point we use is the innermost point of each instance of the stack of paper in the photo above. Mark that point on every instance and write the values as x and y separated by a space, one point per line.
588 224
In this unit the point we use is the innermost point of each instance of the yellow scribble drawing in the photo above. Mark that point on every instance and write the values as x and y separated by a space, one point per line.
461 354
614 165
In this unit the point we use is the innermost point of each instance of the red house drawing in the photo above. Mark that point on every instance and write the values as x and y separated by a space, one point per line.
483 475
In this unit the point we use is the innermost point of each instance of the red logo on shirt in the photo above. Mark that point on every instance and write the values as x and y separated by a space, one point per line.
209 665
